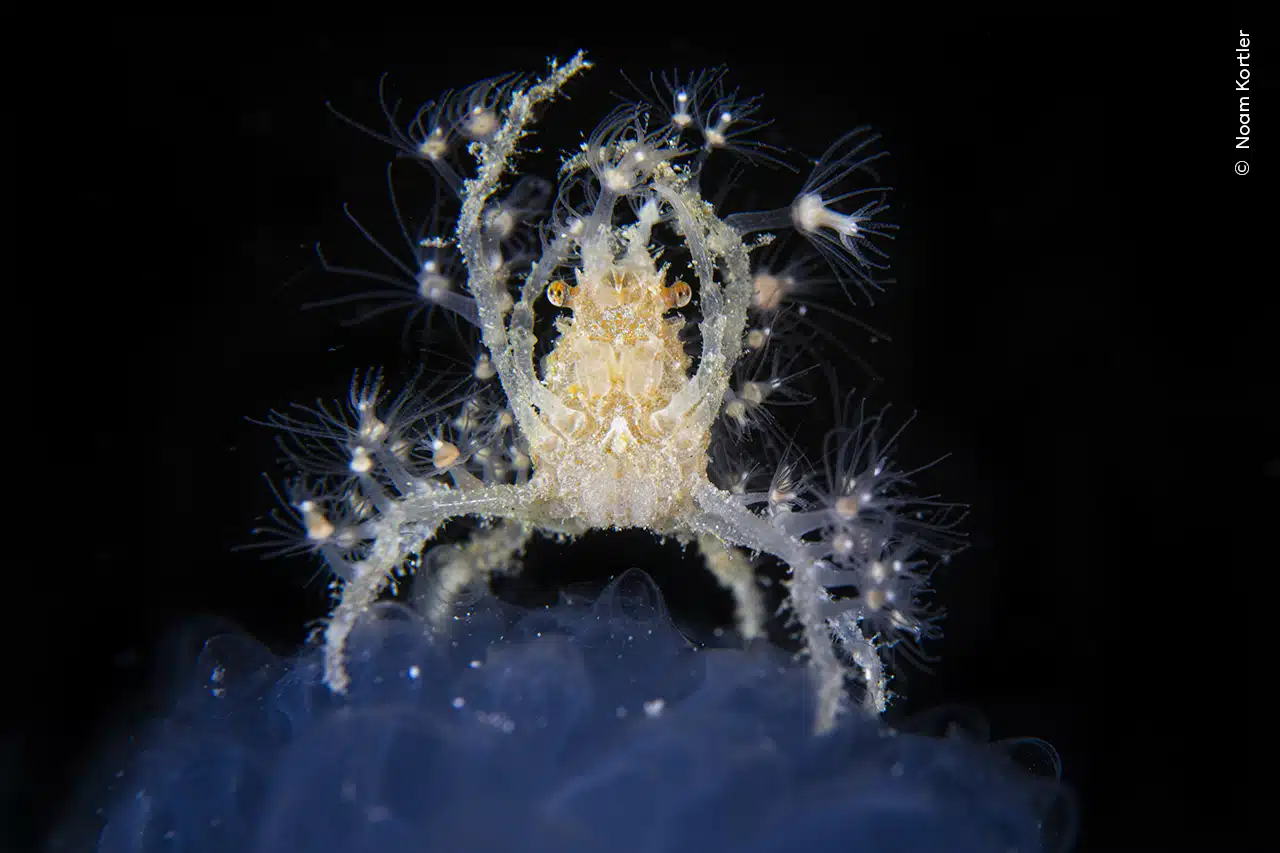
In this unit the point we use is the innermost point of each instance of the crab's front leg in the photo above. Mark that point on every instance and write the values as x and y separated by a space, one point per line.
402 529
506 327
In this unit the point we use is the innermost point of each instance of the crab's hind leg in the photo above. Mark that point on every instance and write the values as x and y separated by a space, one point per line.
449 570
721 517
404 528
733 569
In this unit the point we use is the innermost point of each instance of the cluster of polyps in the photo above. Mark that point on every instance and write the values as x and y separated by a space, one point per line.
616 426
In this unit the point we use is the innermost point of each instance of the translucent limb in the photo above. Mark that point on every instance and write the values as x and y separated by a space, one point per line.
725 518
493 301
724 308
404 528
489 551
733 569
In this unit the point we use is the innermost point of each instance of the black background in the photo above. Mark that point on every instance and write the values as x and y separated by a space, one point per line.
1073 312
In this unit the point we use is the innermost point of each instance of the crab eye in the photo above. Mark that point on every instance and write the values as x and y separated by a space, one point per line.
677 295
559 294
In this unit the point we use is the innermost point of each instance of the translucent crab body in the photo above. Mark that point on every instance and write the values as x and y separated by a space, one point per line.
613 428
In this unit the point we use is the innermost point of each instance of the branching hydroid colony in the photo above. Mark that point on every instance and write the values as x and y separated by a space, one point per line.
618 426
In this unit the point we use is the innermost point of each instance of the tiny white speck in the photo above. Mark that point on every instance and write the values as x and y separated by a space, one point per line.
414 672
653 708
458 702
